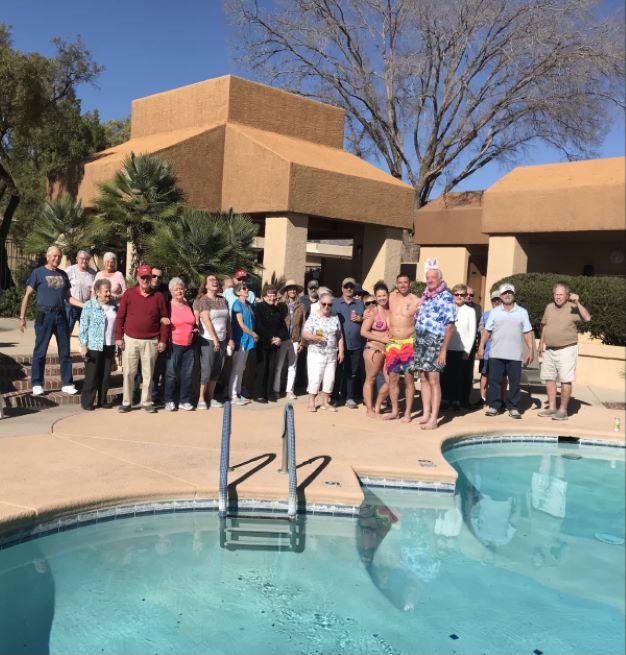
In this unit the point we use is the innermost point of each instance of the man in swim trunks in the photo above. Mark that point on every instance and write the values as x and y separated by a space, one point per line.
433 328
399 350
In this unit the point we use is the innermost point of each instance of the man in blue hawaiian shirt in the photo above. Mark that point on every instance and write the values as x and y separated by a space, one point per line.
433 328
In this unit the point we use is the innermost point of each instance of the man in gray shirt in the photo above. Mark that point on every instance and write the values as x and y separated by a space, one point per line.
508 327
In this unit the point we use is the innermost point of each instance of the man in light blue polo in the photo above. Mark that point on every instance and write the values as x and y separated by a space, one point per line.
508 327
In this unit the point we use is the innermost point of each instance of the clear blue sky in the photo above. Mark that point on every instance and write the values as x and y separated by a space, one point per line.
147 46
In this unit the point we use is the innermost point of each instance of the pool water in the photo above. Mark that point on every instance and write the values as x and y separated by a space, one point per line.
526 557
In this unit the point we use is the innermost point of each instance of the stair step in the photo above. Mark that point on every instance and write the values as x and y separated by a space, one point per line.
259 531
51 383
52 399
258 517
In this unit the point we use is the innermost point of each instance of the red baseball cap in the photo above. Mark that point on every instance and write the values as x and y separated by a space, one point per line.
144 269
241 274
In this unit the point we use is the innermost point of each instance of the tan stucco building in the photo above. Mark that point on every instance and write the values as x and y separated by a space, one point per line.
565 218
278 157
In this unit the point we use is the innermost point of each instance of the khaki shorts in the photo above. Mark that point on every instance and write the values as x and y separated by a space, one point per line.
559 365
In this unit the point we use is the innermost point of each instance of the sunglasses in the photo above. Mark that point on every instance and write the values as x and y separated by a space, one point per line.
370 302
326 304
460 295
157 277
145 277
471 295
349 286
506 292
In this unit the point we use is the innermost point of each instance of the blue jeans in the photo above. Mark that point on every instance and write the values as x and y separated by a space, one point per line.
348 378
47 324
513 370
73 316
179 364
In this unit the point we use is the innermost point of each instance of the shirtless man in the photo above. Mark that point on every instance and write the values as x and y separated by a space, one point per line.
403 306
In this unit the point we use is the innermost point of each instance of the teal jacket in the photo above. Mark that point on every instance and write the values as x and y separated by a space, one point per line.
92 325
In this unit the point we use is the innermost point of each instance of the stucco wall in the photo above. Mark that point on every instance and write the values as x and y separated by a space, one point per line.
453 263
600 365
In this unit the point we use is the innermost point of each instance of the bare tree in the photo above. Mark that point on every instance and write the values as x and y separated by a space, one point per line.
437 89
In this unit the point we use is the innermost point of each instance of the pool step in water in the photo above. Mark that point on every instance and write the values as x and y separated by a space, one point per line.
258 531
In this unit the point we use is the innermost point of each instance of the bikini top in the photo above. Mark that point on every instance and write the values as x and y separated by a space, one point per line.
379 325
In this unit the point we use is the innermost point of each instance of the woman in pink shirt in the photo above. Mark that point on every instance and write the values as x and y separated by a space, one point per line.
180 357
110 273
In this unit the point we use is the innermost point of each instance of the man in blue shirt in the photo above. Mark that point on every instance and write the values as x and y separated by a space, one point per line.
508 327
348 385
53 291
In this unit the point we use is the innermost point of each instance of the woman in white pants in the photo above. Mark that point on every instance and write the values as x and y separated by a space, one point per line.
290 348
244 336
325 348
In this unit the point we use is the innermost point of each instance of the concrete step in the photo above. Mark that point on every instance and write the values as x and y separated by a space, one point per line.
20 380
51 383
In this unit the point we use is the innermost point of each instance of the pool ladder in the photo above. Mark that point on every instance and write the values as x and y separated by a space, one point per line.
255 530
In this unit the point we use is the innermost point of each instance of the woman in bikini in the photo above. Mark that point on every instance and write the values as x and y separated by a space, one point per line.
375 328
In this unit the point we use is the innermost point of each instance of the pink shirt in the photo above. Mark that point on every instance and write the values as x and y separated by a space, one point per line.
118 283
183 321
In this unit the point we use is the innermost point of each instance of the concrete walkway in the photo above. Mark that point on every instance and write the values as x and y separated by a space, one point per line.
63 460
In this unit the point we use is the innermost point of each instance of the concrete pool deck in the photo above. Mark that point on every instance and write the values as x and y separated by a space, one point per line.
54 463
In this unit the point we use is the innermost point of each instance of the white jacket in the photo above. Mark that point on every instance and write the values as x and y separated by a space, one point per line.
465 330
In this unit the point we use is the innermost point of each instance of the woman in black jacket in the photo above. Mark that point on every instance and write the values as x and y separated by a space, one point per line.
271 328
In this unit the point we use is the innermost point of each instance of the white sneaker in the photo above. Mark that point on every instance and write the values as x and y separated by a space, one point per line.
186 407
170 407
69 389
240 402
37 390
216 404
201 405
291 396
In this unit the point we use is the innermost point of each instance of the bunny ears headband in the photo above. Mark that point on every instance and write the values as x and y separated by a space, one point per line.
431 264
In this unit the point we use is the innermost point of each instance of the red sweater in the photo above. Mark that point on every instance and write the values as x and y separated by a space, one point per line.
140 316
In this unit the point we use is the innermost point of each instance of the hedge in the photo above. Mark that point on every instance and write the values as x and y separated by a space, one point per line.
11 299
604 297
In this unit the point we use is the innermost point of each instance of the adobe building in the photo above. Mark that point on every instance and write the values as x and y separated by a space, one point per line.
278 157
565 218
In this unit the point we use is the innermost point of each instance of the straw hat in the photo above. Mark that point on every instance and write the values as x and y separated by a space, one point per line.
292 283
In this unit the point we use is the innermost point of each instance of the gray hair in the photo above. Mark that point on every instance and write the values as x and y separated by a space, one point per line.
175 282
83 252
109 255
561 285
324 291
53 247
438 271
326 294
102 282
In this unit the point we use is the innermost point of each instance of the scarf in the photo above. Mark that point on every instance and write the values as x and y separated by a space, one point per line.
435 292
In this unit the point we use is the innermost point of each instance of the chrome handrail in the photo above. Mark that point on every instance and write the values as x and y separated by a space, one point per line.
290 438
224 461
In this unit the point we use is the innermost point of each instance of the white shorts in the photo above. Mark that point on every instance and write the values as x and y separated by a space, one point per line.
560 364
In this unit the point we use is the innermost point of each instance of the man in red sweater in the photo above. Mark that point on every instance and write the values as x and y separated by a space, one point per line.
140 333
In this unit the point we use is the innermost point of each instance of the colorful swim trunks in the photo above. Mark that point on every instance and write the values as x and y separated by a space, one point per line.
426 351
399 355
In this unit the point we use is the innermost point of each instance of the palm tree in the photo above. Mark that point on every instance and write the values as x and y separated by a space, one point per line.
143 195
199 243
66 224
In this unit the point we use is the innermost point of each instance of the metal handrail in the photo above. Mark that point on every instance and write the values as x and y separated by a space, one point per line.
289 458
224 460
290 438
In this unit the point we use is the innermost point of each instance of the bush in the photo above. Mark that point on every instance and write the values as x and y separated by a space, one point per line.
11 299
602 296
418 287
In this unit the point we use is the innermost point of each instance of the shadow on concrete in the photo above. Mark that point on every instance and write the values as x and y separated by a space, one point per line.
264 460
324 461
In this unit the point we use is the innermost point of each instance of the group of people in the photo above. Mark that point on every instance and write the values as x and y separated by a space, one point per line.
356 347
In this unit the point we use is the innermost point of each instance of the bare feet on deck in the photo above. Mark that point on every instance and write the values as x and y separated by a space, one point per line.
423 419
372 414
430 425
406 419
389 417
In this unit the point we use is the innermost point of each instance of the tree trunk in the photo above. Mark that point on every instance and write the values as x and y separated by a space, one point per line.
6 278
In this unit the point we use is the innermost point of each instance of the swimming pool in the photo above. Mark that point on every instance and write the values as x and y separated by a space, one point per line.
526 557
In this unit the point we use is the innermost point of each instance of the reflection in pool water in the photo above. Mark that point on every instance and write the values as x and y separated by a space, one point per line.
510 563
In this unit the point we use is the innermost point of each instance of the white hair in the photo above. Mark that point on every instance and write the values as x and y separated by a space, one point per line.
109 255
83 252
51 248
175 282
326 294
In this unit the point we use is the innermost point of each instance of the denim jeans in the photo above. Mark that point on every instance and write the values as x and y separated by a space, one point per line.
73 316
513 370
179 364
348 378
46 325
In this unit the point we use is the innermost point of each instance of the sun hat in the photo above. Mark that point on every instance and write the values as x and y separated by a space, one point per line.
291 283
239 275
144 269
506 287
349 280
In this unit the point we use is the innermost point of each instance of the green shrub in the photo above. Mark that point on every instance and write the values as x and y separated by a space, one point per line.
417 287
602 296
11 299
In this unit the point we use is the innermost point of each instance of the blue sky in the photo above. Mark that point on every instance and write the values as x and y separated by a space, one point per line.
147 46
